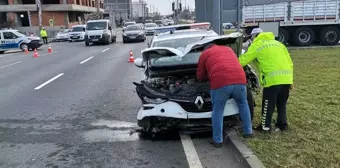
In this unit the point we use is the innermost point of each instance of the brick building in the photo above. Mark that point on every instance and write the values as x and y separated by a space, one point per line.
64 13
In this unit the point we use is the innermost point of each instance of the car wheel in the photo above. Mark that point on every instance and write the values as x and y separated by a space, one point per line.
330 35
1 52
23 46
303 36
87 43
70 41
124 41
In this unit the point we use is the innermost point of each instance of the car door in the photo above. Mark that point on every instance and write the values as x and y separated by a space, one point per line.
11 41
2 42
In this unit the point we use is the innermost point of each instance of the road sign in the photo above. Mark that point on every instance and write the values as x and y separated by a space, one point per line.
51 21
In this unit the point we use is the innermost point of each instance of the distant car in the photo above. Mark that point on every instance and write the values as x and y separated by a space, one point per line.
149 28
148 21
160 23
62 35
134 33
100 31
77 33
14 39
127 24
228 26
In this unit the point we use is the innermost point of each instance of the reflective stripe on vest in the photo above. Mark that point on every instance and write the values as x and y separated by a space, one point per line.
280 72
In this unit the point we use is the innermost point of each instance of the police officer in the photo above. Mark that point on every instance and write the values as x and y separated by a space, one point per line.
275 66
43 34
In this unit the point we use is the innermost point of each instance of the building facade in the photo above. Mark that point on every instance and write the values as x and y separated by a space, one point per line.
119 8
60 13
139 9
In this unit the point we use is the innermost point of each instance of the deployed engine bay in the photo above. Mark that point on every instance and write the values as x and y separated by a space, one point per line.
187 85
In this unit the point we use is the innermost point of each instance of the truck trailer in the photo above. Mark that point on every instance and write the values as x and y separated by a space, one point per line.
300 23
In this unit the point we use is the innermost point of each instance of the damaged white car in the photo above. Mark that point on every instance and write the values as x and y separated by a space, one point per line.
170 93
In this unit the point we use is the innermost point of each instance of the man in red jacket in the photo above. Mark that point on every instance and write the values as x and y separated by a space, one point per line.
219 65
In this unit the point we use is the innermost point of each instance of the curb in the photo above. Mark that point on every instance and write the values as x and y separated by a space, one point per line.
242 152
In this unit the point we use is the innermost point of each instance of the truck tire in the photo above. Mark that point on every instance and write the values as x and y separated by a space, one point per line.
283 36
1 52
303 36
330 35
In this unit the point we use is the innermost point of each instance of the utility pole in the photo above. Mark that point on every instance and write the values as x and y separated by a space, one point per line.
38 2
98 5
177 11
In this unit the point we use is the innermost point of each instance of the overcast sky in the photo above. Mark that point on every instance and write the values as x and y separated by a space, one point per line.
164 6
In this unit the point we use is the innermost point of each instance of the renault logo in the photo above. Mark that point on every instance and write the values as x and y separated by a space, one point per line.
199 102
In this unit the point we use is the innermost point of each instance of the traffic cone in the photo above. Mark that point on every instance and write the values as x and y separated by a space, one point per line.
35 55
131 59
49 49
26 50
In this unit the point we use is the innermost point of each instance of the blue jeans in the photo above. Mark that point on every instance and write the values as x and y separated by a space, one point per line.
219 99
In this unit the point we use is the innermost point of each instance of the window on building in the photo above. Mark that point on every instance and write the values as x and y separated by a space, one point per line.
50 2
9 35
28 2
122 1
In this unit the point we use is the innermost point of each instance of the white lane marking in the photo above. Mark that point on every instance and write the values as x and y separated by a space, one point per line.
49 81
86 60
105 49
190 152
11 64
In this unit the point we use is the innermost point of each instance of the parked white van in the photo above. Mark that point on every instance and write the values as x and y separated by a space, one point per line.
100 31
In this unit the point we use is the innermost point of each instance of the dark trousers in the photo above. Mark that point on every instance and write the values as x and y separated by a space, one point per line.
45 40
275 96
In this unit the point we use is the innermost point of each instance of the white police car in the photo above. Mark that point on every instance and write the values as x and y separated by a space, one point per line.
13 39
77 33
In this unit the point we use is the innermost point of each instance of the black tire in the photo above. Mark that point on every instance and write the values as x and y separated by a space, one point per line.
70 41
283 36
330 35
124 41
87 43
1 52
22 46
303 36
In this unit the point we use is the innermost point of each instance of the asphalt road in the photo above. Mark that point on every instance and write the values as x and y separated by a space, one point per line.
77 107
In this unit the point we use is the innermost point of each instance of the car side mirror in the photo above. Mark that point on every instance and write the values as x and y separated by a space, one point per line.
139 62
84 29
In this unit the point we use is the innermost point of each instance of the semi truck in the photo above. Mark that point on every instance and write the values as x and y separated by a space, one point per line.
300 23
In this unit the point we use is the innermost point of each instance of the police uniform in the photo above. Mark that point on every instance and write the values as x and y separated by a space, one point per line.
275 66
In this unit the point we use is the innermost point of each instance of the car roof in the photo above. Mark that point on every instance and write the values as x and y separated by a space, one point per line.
184 34
8 30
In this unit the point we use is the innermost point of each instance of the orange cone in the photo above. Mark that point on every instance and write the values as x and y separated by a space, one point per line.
26 50
35 55
131 59
49 49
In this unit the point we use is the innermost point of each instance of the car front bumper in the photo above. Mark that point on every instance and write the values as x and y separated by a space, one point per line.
97 38
35 44
134 38
172 109
77 38
149 33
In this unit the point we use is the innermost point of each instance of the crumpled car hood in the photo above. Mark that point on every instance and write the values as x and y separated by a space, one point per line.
182 51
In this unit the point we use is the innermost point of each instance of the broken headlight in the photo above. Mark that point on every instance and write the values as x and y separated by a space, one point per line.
154 100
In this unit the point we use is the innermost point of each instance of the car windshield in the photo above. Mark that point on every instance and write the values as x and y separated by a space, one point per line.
148 21
96 26
176 43
77 29
158 22
151 25
128 23
132 28
64 31
20 34
190 58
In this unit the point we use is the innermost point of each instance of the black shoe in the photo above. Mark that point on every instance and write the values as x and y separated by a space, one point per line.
281 127
215 144
252 135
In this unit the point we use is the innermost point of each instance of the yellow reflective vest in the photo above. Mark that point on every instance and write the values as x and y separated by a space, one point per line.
43 33
271 58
